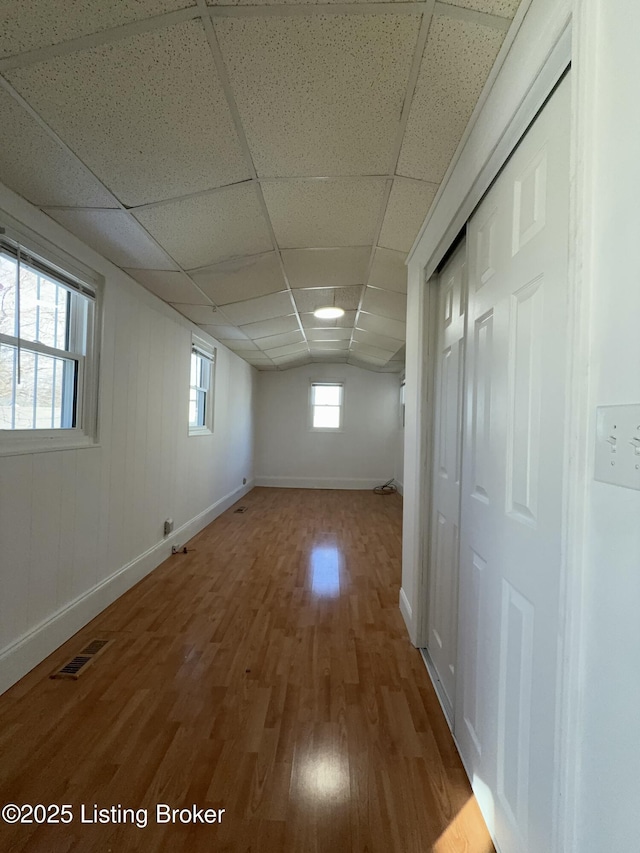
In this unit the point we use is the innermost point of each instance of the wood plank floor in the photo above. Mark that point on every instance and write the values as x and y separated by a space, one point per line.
267 672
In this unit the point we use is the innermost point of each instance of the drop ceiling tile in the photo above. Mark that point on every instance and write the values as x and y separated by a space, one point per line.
280 340
331 346
363 350
115 235
241 278
147 114
256 358
326 267
382 326
269 366
328 335
319 95
41 23
366 361
456 63
329 358
287 361
275 326
347 298
223 333
168 285
503 8
321 213
35 166
386 303
201 315
407 208
247 349
345 322
290 349
210 228
381 341
388 270
390 367
262 308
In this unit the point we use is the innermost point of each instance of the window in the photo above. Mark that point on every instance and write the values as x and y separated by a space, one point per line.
326 405
201 388
48 378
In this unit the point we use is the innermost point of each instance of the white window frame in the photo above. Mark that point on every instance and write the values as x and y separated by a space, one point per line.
206 352
82 283
331 382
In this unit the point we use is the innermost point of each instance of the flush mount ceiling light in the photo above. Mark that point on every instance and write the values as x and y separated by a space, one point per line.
328 313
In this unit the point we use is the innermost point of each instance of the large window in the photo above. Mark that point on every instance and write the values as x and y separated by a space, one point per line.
201 388
47 363
326 405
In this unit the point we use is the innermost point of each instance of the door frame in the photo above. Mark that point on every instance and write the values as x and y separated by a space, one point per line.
567 37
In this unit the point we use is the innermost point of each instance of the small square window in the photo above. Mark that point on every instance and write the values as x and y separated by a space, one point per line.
326 405
201 388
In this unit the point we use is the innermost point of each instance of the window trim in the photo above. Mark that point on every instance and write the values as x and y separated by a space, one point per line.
341 384
204 350
88 284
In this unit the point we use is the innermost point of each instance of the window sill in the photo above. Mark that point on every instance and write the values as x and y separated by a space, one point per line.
200 431
12 444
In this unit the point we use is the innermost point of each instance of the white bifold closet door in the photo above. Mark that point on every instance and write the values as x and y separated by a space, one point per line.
511 502
442 628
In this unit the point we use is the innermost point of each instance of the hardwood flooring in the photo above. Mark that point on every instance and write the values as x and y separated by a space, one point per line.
268 673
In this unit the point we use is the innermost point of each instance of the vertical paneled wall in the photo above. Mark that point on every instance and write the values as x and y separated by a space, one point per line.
77 527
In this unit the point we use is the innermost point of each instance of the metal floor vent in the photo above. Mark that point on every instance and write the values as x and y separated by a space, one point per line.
241 509
79 663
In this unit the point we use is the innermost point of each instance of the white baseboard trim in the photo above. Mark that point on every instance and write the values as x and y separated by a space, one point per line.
447 710
407 614
399 487
320 482
20 657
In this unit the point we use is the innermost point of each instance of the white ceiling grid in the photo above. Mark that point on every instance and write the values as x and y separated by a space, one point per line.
248 162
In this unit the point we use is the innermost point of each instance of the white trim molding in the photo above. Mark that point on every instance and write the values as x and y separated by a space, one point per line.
19 658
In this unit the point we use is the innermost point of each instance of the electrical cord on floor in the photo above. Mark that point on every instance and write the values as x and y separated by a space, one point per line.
386 489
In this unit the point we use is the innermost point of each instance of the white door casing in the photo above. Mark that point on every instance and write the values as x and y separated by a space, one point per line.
511 502
442 627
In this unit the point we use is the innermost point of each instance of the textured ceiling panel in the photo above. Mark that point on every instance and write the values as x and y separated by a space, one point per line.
170 286
373 352
41 23
322 346
210 228
35 166
344 322
382 326
223 333
326 267
202 315
246 349
408 206
263 308
347 298
504 8
289 349
389 270
457 60
319 95
241 278
381 341
366 361
324 213
276 326
112 233
386 303
292 360
283 340
328 334
146 114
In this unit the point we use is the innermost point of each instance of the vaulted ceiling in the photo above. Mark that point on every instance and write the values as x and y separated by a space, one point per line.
248 163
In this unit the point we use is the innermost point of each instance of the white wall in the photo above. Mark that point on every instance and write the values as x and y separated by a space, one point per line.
361 456
610 731
79 527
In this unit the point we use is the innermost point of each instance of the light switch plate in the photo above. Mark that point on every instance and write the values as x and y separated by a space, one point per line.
618 445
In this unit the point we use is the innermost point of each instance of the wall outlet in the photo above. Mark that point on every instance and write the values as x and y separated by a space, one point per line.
618 445
168 526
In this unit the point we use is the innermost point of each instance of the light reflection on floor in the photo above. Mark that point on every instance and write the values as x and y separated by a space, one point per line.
325 570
